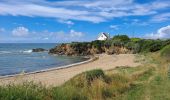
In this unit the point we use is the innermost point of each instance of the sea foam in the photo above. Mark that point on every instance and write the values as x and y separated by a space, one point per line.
27 51
4 52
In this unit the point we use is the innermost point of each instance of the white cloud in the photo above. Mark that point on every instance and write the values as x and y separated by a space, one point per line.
161 17
115 27
161 33
95 11
68 22
138 22
75 34
71 35
23 35
59 36
20 31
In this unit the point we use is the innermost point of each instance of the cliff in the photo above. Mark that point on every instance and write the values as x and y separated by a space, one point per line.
83 49
119 44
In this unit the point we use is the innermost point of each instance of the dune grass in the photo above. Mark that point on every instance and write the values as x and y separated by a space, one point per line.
149 81
25 91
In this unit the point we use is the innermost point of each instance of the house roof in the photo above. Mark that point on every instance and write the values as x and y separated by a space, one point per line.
105 34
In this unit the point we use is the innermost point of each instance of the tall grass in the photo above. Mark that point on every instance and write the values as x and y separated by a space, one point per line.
25 91
165 52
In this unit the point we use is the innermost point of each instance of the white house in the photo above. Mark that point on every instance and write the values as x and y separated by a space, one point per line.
103 36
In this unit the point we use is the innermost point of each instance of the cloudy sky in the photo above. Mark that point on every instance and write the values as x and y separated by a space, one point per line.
26 21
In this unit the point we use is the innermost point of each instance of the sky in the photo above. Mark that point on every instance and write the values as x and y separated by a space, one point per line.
56 21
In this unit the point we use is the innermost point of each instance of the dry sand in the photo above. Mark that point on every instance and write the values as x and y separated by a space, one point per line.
59 76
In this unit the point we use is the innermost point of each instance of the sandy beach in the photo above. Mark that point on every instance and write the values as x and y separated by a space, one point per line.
57 77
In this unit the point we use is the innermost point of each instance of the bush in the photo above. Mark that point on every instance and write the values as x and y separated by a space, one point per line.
151 45
135 39
93 74
107 43
165 52
158 45
122 38
135 47
97 44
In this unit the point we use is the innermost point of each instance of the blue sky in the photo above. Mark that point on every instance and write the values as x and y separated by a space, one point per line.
46 21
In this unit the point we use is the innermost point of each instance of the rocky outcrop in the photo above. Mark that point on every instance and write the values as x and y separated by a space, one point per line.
38 50
84 50
67 49
119 44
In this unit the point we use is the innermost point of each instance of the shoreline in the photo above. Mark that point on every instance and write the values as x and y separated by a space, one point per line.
57 77
51 69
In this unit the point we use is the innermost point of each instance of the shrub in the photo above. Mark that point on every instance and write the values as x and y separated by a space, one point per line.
165 52
117 43
93 74
97 44
135 47
122 38
157 45
135 39
150 45
107 43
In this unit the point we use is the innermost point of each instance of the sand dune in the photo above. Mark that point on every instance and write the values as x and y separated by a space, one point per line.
60 76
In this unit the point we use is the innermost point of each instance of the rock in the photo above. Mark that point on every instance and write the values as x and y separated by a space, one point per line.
85 49
38 50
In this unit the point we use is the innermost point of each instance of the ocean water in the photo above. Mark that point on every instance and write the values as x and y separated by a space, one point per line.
17 58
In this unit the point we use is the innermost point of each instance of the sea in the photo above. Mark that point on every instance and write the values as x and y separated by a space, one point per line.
16 58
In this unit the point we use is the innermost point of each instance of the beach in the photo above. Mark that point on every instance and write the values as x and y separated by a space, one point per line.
57 77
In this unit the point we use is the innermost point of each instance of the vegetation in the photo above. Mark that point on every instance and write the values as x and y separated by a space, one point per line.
121 38
114 45
165 52
93 74
25 91
149 81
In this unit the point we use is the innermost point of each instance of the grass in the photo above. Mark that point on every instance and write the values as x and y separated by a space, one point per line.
169 72
93 74
25 91
149 81
165 52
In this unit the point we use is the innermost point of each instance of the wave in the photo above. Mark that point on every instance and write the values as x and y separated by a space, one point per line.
5 52
21 51
27 51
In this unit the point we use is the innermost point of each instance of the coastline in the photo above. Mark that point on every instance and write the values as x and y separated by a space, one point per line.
51 69
56 76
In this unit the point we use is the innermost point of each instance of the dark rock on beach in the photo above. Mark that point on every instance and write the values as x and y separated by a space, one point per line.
38 50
